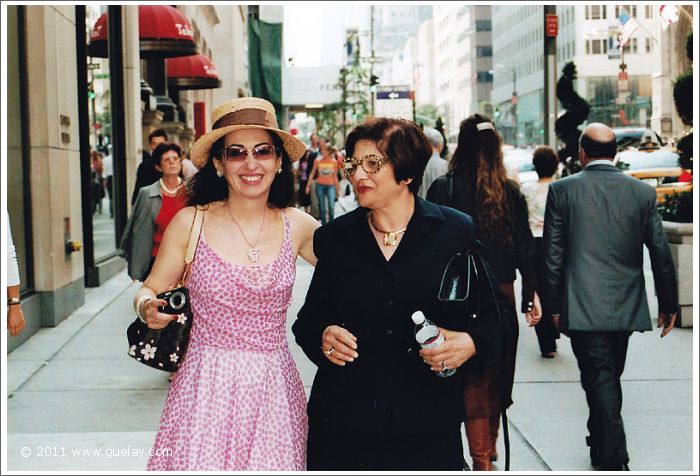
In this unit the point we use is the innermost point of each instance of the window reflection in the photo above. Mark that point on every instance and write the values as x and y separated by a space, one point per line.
101 160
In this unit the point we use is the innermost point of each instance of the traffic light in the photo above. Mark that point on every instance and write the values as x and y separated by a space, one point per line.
373 81
91 94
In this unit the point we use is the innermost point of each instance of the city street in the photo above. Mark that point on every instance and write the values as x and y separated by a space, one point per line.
78 402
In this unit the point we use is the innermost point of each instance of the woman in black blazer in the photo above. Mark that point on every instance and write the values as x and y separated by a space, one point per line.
376 401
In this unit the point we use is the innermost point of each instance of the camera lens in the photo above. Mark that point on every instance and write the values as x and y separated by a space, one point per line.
177 301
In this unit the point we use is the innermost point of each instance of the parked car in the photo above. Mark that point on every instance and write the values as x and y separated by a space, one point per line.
654 164
518 163
637 137
664 180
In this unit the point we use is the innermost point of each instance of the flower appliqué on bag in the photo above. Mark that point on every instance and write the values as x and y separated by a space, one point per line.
173 357
148 352
181 319
132 351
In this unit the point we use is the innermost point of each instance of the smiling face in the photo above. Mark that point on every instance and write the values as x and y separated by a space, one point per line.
378 189
249 162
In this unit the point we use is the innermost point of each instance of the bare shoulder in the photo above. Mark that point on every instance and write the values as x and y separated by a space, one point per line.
301 221
182 221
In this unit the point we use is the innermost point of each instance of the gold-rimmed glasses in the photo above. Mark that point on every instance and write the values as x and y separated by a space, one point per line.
371 164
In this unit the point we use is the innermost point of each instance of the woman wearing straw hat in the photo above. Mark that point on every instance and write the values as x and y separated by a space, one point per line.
237 402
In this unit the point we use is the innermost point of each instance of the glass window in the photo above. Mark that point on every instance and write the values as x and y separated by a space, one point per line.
18 204
101 161
648 11
483 52
483 25
484 77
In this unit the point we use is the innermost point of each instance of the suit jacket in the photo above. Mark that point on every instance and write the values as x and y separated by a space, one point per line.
146 174
137 239
596 224
355 287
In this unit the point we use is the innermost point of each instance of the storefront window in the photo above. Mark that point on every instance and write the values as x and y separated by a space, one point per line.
101 160
18 205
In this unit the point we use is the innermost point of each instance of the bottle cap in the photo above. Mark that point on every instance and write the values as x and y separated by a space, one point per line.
418 317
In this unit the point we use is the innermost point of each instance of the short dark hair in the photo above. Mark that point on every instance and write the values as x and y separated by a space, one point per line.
158 133
401 140
596 149
545 161
161 149
205 186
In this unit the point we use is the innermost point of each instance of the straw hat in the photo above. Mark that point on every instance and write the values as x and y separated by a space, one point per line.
243 113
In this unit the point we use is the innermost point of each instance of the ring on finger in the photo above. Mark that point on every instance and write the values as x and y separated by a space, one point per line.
329 351
444 367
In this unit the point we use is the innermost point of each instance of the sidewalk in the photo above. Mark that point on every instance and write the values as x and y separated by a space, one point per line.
76 401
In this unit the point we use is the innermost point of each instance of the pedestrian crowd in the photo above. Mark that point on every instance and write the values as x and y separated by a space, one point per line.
391 229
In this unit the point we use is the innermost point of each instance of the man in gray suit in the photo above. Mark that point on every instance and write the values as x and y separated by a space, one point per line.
596 224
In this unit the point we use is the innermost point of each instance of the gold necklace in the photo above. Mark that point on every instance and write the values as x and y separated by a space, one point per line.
390 237
253 252
166 189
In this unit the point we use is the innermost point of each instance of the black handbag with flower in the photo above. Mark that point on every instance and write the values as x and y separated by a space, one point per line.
164 349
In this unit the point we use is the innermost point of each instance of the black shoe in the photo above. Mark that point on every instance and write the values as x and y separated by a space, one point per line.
615 467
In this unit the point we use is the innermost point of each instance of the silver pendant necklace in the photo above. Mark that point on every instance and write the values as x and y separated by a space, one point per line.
253 252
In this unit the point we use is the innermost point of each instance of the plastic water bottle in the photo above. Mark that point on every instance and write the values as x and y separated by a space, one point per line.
428 336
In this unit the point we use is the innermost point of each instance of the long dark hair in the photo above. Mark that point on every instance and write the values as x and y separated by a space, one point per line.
479 159
206 187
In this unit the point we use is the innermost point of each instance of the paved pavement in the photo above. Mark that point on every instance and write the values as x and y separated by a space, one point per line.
76 401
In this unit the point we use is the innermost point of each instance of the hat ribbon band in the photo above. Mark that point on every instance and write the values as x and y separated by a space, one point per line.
243 117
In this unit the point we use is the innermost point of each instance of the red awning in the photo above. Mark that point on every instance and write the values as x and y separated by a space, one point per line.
163 33
192 72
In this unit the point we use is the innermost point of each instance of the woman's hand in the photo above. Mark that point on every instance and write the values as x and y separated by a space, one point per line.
339 345
15 319
457 349
155 319
534 316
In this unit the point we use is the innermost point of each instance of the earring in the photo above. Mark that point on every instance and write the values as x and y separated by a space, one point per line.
279 171
219 173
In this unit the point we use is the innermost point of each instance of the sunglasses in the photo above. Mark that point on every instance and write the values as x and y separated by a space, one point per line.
236 153
371 164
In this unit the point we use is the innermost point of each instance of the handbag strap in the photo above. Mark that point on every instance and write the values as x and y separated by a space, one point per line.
195 230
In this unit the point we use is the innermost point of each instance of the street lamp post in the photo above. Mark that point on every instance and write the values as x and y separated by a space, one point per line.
514 108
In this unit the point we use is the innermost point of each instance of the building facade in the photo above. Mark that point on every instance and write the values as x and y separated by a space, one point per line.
588 36
66 102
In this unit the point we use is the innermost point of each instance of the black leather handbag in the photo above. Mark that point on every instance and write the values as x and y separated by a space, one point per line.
164 349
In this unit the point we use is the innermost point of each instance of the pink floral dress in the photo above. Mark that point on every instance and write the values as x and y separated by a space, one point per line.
237 402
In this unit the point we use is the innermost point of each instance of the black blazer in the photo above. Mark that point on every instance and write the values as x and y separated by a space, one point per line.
595 227
353 286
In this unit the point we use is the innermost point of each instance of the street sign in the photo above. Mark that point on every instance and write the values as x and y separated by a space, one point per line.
102 76
394 95
394 101
551 25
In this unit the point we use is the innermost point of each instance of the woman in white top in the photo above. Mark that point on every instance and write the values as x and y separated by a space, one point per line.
545 161
15 316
